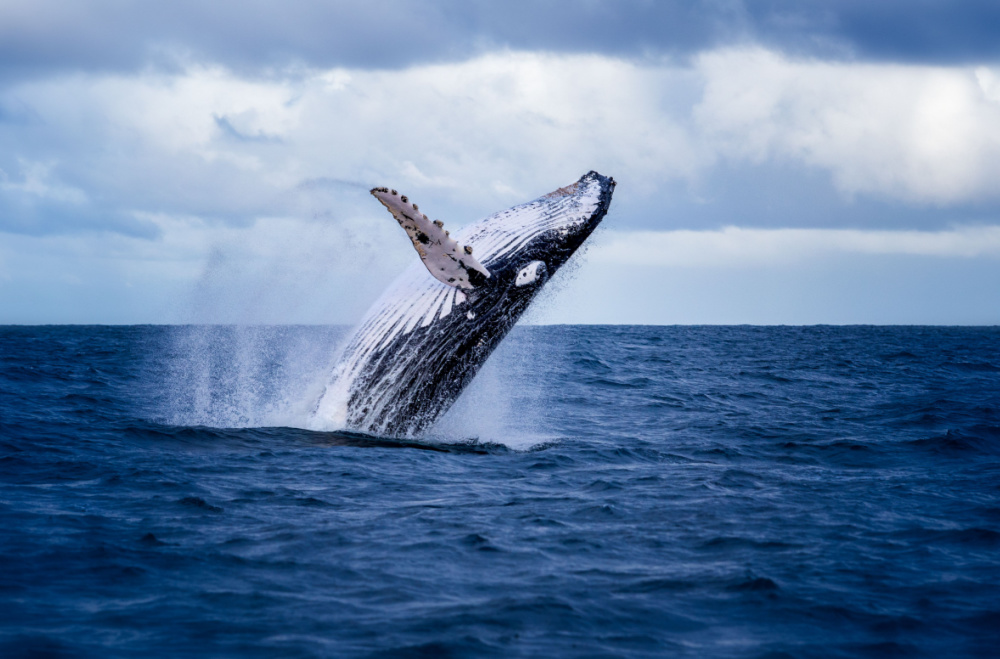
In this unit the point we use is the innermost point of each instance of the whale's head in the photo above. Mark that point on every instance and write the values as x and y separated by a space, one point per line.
522 247
517 248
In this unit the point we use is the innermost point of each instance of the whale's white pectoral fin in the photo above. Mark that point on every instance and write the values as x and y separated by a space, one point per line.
444 258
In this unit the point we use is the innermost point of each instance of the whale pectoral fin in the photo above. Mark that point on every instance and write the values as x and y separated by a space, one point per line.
445 259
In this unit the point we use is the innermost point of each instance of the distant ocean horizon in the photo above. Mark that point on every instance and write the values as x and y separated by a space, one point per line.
600 490
349 326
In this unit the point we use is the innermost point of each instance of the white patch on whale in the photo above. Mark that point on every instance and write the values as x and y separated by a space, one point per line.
530 273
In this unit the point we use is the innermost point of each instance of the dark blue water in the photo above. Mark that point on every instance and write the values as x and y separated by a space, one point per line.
601 491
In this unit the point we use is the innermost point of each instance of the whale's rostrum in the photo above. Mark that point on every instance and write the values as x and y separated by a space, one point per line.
429 333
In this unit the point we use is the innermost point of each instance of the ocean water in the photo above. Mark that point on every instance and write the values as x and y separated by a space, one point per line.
599 491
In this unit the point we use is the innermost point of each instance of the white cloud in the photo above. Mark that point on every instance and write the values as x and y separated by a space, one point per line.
484 133
493 130
252 189
917 133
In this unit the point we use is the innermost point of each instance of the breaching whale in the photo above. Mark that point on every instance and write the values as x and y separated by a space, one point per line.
427 336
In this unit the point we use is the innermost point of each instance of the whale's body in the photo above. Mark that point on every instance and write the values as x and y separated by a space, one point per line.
423 341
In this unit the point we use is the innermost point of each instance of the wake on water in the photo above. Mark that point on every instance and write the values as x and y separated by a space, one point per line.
254 376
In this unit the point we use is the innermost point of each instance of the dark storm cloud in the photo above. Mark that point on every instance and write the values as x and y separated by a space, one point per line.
918 31
54 35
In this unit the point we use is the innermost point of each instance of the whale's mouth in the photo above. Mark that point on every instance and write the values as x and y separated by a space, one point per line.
565 191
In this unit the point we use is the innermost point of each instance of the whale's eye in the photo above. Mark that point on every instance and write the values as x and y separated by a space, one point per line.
532 273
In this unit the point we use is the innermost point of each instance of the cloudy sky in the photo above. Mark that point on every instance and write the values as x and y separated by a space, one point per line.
781 161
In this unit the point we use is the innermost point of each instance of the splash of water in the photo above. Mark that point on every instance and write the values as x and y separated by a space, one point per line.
252 376
505 402
246 376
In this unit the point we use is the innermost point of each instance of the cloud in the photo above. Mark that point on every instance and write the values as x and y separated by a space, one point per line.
226 126
471 137
125 37
46 36
742 247
148 144
924 32
467 138
228 146
275 270
33 202
918 134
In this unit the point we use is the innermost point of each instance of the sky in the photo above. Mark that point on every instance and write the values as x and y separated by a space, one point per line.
778 162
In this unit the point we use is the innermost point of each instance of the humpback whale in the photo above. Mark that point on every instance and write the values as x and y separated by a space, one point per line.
428 334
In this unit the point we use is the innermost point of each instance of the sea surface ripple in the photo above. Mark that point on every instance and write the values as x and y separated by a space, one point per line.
599 491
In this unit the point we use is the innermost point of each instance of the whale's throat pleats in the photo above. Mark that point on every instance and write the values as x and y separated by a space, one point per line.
447 260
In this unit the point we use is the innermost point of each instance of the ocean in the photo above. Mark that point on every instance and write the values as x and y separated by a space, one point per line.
598 492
